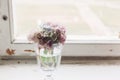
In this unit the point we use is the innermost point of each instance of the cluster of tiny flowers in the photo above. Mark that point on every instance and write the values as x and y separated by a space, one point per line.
48 35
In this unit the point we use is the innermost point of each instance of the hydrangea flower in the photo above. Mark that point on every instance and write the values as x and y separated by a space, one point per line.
48 35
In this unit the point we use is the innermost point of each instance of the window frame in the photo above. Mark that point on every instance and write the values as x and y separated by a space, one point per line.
10 46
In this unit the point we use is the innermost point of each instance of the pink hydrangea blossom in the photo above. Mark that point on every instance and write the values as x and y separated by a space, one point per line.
48 35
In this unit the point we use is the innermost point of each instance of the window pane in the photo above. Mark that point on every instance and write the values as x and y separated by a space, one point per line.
83 18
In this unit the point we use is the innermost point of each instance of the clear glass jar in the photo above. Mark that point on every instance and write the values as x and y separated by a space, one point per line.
49 59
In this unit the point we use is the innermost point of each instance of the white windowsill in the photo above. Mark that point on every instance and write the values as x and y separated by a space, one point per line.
12 71
79 39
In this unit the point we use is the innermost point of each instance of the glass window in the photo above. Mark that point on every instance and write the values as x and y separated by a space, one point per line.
92 25
86 19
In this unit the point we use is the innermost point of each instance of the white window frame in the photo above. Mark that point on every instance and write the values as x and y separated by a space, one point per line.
74 47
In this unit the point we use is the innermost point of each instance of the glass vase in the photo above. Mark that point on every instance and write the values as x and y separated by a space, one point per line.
49 59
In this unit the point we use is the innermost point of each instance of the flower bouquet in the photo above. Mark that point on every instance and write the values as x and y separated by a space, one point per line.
49 38
47 35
